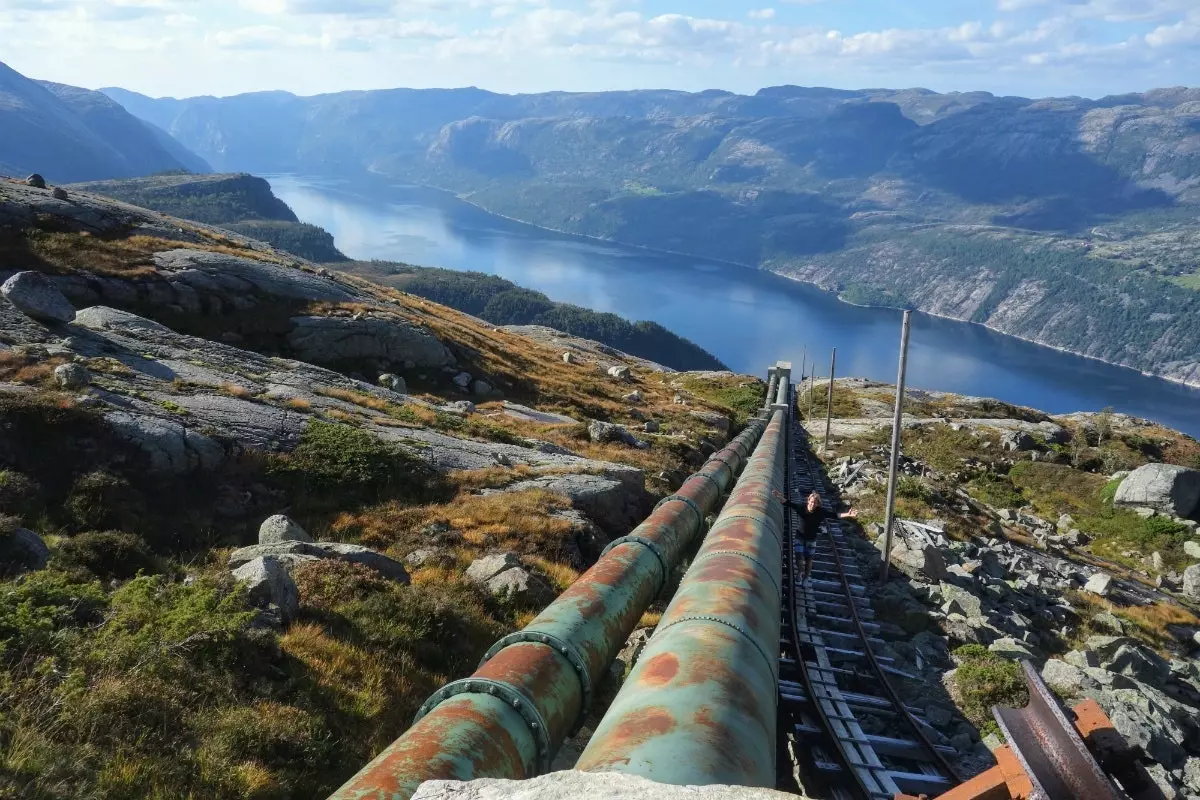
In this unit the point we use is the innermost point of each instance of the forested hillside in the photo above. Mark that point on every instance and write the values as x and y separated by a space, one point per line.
502 302
241 203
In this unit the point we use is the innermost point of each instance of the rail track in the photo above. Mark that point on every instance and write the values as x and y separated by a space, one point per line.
834 687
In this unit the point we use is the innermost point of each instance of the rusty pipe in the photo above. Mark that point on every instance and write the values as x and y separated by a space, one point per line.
699 707
534 686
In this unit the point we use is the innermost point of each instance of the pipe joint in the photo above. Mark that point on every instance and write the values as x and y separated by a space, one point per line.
565 649
653 547
515 699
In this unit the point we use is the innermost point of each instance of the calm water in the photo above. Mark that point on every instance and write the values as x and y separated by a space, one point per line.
747 318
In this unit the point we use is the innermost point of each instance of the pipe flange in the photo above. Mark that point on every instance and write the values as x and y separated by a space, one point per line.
686 500
653 547
564 649
746 556
515 699
708 477
772 666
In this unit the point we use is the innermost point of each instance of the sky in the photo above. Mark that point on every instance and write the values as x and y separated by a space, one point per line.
184 48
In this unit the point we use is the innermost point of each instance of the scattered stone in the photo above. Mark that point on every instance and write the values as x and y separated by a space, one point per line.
1007 647
1162 779
1082 659
393 382
1017 441
621 373
651 427
1166 488
461 407
37 297
487 567
269 584
482 388
1108 622
519 585
280 528
36 181
1192 548
634 397
923 563
608 432
568 358
59 193
938 715
960 601
1066 522
72 376
463 380
1100 583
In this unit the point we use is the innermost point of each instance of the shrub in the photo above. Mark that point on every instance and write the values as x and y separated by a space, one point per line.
102 500
984 679
106 554
268 732
336 464
32 610
19 494
996 491
326 584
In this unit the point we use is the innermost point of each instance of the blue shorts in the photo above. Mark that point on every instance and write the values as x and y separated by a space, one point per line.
808 547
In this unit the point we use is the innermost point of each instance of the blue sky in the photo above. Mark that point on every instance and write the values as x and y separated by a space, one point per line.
189 47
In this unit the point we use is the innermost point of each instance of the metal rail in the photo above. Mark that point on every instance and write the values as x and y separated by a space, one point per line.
831 653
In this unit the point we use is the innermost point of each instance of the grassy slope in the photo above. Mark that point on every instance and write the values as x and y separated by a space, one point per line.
118 678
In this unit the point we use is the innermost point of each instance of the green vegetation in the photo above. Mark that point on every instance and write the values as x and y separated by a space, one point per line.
1055 489
845 402
944 448
298 238
337 465
996 490
744 399
984 679
502 302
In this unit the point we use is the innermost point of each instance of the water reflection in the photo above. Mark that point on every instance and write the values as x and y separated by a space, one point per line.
745 317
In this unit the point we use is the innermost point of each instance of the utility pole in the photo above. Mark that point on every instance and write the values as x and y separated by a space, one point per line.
812 389
889 519
829 402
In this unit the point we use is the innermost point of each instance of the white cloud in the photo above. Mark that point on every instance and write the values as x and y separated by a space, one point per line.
762 13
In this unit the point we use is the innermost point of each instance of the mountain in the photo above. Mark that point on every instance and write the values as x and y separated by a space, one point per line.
71 134
1066 221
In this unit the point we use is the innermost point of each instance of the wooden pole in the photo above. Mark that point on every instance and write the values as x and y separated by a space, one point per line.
812 389
829 402
889 519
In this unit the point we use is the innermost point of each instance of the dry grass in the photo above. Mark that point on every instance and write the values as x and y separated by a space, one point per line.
236 390
21 368
490 478
650 619
518 521
560 575
356 398
298 404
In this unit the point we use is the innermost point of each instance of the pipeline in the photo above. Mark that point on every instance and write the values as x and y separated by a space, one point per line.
699 707
533 688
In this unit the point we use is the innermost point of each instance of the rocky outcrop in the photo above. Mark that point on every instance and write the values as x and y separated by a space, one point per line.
617 502
1166 488
37 297
608 432
295 552
325 340
171 446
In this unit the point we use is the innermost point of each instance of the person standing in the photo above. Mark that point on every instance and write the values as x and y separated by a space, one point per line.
811 516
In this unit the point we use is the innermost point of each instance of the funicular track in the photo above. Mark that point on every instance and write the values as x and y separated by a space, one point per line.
832 680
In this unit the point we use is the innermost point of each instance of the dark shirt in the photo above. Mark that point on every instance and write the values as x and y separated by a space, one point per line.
810 521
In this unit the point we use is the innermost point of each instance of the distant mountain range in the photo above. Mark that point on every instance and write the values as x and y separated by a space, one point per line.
69 134
1069 222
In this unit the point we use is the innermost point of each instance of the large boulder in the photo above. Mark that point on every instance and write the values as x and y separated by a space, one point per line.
72 376
24 550
391 340
280 528
959 601
1065 679
37 297
505 578
1100 583
171 446
269 584
485 568
1191 582
1166 488
103 318
608 432
920 563
617 503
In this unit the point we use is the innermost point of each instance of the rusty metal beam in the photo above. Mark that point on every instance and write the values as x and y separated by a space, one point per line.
699 707
533 688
